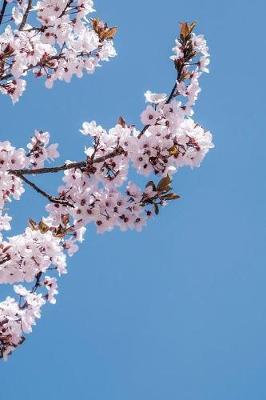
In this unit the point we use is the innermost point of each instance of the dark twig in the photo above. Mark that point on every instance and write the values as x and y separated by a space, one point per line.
52 199
3 9
25 16
4 260
66 7
65 167
37 282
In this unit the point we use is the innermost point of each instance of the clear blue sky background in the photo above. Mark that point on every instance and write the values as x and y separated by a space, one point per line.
179 311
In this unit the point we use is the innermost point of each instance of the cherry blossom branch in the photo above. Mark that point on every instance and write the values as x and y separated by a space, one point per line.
46 63
186 50
75 165
66 44
96 190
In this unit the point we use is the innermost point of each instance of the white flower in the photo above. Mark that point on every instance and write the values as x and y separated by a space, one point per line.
91 128
155 98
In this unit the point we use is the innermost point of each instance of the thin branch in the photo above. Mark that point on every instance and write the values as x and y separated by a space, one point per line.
48 170
2 13
143 131
66 7
171 95
37 282
45 63
52 199
25 16
173 92
65 167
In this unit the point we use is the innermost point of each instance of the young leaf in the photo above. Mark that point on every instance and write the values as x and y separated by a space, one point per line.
108 33
174 151
192 26
184 29
171 196
164 184
43 227
121 122
60 231
33 225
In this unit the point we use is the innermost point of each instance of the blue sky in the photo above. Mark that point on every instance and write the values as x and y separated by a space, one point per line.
178 311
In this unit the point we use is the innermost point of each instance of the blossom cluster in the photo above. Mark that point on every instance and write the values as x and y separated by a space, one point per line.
17 318
96 190
30 253
11 186
40 150
53 39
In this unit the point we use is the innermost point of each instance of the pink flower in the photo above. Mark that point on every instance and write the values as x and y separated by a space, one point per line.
149 116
